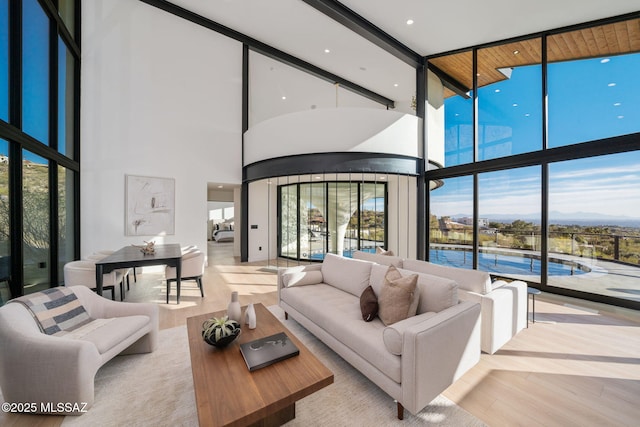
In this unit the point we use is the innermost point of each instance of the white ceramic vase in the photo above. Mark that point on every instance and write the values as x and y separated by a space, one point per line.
233 310
251 316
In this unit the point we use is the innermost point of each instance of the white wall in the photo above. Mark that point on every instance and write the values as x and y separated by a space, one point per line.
263 214
160 97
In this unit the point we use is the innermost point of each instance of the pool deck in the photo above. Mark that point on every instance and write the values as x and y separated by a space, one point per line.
605 278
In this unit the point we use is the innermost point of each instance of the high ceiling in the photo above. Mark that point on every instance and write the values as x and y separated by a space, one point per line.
298 28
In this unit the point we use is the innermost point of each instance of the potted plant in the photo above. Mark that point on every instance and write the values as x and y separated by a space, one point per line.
220 331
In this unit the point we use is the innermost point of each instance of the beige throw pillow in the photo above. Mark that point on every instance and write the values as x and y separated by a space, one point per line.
381 251
398 298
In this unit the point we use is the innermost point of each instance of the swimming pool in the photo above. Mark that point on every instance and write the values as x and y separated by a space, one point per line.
504 264
493 263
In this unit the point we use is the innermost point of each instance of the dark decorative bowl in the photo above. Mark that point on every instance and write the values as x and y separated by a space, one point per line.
224 341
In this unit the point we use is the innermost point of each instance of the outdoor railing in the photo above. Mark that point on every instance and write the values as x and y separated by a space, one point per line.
610 247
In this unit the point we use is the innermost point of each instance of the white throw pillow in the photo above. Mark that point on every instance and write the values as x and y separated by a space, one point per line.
301 278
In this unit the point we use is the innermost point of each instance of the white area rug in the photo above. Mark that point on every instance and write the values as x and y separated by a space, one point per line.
156 389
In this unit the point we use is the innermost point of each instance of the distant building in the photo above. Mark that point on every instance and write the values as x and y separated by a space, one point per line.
482 222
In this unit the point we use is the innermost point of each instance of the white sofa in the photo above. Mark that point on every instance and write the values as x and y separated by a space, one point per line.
504 304
412 360
53 370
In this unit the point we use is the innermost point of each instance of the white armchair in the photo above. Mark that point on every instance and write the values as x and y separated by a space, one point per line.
192 269
83 273
38 367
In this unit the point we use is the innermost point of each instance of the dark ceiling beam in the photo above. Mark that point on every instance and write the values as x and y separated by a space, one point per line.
356 23
449 82
269 51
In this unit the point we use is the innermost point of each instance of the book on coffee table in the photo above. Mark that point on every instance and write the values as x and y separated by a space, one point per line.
268 350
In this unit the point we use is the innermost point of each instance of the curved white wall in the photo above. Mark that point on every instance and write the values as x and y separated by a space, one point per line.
333 130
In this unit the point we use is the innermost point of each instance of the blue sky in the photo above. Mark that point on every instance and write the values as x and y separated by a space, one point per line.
606 185
588 100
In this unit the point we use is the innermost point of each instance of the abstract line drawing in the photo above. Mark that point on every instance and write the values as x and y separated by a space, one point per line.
150 206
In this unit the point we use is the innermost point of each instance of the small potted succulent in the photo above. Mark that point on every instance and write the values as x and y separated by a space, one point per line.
220 331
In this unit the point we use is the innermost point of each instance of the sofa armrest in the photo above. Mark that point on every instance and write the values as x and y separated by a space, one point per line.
101 308
437 352
26 362
504 314
298 268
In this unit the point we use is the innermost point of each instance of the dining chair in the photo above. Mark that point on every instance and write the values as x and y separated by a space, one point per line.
124 272
83 273
192 269
110 252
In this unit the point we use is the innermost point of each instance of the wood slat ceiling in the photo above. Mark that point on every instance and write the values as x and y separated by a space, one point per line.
606 40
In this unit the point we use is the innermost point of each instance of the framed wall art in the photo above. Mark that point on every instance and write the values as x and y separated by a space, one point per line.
150 206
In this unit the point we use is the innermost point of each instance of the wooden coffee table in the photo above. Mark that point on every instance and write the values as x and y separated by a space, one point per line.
227 394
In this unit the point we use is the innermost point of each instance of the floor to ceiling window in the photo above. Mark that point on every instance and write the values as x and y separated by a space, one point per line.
35 71
544 188
320 217
4 60
509 99
39 77
36 221
594 92
5 225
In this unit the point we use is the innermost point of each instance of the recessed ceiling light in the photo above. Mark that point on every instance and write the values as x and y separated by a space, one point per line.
284 97
515 52
604 60
395 85
382 178
327 51
611 84
409 21
318 177
220 186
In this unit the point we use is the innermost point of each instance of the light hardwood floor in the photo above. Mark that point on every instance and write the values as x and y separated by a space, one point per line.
578 365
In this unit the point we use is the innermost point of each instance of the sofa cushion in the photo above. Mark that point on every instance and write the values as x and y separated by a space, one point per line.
393 335
376 278
368 304
470 280
301 278
378 258
339 315
435 293
349 275
398 298
107 334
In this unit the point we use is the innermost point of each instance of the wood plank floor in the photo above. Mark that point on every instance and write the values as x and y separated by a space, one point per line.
578 365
